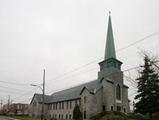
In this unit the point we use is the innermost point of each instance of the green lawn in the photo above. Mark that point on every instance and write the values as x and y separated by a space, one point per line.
114 116
26 118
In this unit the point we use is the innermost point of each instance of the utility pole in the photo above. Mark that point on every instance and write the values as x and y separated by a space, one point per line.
1 104
8 102
43 95
42 115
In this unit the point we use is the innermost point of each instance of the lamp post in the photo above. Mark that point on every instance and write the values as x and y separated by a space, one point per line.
43 95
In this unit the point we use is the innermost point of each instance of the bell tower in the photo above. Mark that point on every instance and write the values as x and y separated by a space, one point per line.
110 61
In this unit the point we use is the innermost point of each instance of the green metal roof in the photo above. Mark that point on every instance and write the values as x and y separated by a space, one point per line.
40 96
74 92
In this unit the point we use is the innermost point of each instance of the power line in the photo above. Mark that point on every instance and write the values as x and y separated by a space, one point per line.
93 61
13 83
6 91
25 94
76 69
10 88
138 41
109 75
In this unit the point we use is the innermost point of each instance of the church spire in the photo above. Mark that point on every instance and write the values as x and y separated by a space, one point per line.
110 60
110 47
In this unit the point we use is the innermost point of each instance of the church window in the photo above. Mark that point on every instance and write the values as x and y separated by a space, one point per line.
62 105
103 107
53 106
50 107
84 115
75 102
118 92
70 104
34 103
124 110
56 105
67 105
118 108
70 116
111 108
59 105
79 102
85 99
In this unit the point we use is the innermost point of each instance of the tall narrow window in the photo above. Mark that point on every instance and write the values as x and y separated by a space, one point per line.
67 105
124 110
53 106
80 102
56 105
111 108
70 104
118 92
84 115
103 107
85 99
59 105
118 108
75 102
70 116
62 105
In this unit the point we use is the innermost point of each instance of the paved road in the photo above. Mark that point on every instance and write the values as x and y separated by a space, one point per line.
4 118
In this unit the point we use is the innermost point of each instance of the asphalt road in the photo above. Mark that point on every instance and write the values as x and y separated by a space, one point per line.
4 118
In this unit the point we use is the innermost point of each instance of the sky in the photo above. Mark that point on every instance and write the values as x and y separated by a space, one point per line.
67 38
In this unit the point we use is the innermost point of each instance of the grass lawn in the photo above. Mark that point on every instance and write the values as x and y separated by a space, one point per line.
115 117
26 118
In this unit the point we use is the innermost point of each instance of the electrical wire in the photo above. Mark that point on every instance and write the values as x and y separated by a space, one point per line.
93 61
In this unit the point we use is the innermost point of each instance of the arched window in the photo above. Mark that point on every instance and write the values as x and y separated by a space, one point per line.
118 92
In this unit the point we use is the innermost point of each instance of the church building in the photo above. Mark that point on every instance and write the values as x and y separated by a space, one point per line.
106 93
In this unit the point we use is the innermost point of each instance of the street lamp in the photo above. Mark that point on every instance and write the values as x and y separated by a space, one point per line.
43 91
37 86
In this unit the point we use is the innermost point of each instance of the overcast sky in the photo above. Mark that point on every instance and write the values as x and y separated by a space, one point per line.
63 36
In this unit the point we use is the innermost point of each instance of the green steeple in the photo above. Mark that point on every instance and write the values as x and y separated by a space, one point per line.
110 60
110 48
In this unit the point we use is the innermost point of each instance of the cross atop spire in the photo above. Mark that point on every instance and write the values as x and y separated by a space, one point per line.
110 47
